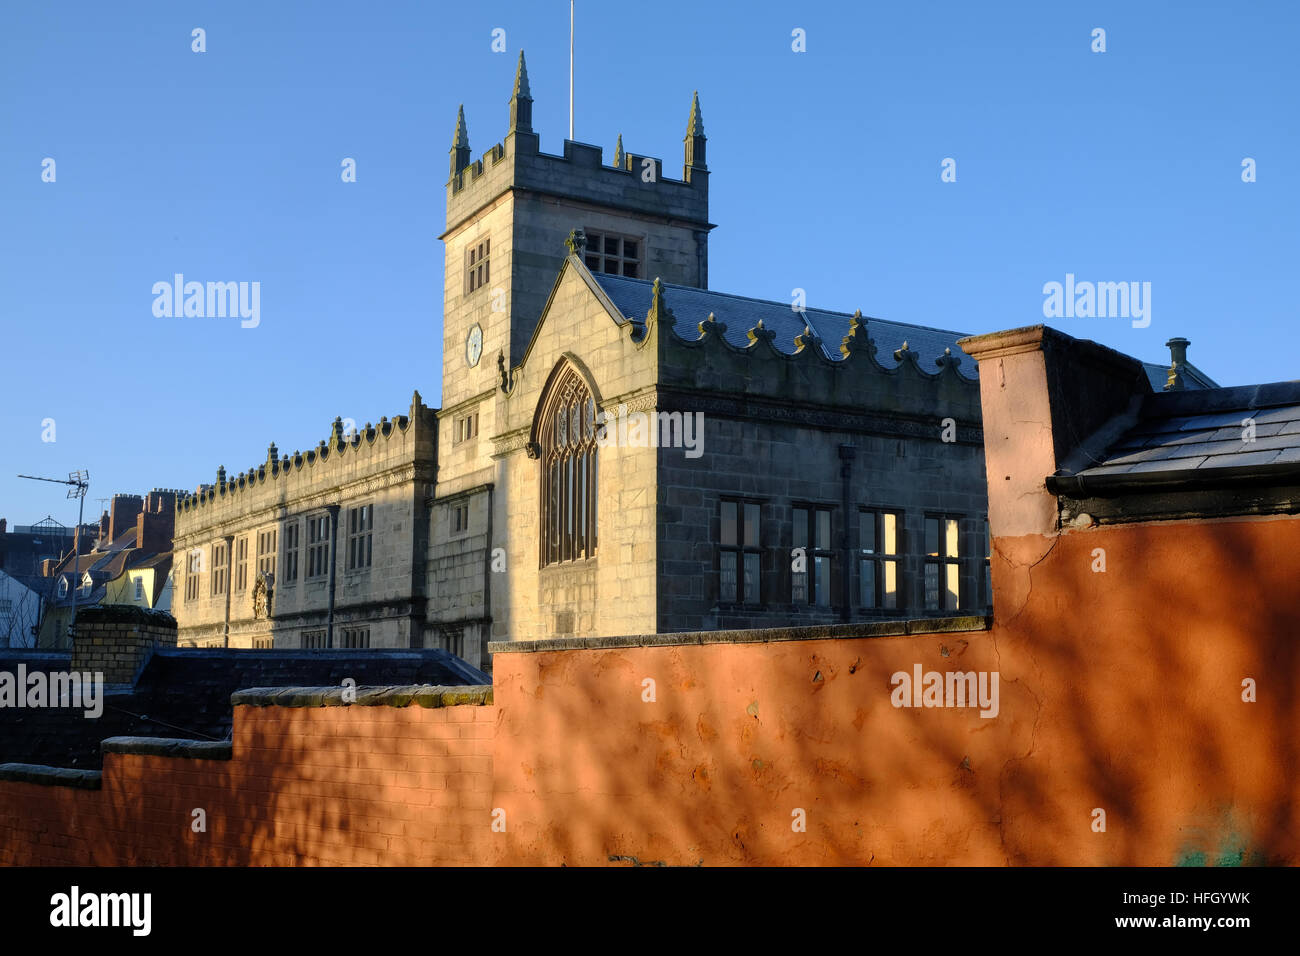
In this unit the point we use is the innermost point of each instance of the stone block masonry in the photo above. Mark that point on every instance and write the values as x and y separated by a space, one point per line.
117 641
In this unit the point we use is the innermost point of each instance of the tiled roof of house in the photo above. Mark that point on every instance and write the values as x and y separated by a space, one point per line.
185 693
1199 438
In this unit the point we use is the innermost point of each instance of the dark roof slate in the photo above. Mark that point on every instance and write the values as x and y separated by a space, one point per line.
1203 433
691 306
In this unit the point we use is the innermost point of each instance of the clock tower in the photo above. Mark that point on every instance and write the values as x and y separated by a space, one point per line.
508 215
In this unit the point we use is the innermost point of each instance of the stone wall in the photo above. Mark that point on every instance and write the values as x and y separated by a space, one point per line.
117 641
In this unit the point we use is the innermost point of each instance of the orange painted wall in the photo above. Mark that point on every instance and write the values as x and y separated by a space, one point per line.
1119 690
327 785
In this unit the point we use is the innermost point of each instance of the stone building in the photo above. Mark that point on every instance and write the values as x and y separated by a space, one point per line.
320 549
619 449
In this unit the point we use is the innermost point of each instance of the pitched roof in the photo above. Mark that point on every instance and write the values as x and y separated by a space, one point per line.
1198 438
739 314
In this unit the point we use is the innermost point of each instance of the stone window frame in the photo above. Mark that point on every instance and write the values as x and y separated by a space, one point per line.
570 478
355 638
218 580
740 550
291 539
361 528
193 569
318 546
314 639
460 518
879 559
946 565
63 586
464 428
478 265
267 544
597 257
263 643
241 563
817 557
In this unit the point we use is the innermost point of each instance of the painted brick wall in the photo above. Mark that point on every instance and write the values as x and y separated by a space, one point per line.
323 785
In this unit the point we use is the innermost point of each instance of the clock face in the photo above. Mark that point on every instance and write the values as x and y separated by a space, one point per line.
473 345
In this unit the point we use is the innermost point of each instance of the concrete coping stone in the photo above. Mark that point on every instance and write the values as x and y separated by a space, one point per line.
816 632
168 747
424 695
51 776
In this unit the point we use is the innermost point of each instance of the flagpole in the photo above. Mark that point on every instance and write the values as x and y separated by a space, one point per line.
570 69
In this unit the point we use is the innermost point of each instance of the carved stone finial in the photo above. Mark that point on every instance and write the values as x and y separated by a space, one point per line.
948 360
461 138
760 333
904 354
695 122
858 339
576 243
712 328
521 91
618 152
806 339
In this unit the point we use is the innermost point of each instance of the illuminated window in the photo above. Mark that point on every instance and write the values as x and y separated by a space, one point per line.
879 534
942 563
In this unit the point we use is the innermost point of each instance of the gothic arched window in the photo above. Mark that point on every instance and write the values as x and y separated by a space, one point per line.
570 471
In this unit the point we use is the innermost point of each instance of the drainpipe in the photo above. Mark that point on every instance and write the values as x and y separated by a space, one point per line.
334 563
230 585
487 580
846 579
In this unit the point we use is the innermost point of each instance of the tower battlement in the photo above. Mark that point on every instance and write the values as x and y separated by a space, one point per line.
633 182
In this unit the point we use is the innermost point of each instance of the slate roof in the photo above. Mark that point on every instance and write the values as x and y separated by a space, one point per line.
185 693
1199 438
739 314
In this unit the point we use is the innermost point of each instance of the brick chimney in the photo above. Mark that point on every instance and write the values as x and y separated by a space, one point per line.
1043 394
122 513
156 523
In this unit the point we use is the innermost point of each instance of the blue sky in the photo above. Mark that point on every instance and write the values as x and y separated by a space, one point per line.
1115 166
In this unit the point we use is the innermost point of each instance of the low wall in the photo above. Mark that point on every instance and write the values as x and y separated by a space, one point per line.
1146 715
401 778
